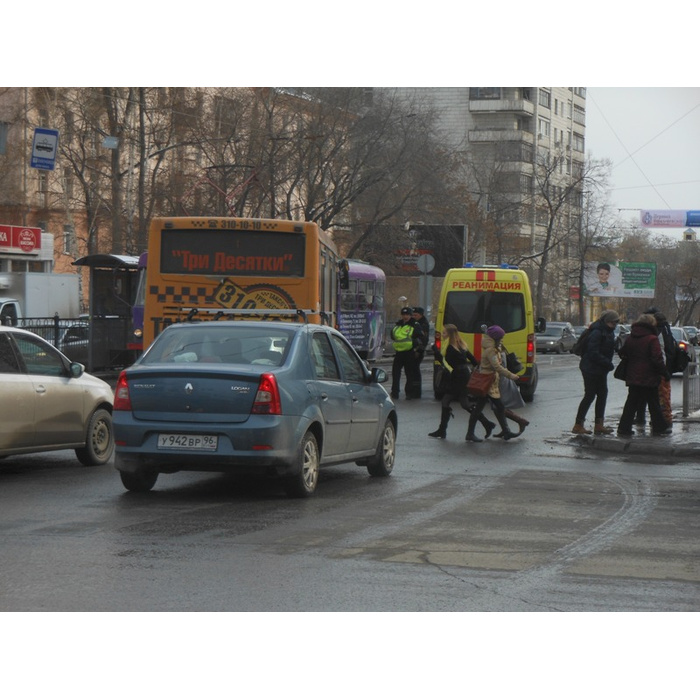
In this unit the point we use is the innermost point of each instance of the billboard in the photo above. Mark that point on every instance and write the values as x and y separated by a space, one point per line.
622 279
444 243
669 218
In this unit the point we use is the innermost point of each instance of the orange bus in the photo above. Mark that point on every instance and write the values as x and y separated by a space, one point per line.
206 268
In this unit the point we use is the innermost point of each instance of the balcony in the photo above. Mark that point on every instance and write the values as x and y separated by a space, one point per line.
522 107
490 135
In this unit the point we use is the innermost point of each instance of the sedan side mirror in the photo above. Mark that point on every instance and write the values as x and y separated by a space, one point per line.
76 369
379 375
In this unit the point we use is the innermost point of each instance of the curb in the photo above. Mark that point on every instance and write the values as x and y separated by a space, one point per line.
638 445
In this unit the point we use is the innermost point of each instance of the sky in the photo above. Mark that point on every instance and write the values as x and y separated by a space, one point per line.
652 137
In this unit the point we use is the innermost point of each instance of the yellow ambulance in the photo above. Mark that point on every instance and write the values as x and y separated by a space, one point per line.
473 298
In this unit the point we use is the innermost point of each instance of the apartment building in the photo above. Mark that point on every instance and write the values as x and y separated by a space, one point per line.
504 132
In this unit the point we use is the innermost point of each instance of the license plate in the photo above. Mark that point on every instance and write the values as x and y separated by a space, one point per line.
173 441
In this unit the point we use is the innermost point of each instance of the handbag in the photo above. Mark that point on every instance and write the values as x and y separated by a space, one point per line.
621 370
513 362
479 383
510 394
443 379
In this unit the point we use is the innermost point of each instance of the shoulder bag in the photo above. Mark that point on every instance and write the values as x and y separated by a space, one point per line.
621 369
513 362
479 383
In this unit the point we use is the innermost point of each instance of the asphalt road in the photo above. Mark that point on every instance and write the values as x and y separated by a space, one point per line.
534 524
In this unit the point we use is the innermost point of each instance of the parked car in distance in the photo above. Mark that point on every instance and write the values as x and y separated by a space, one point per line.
49 403
692 332
559 337
269 398
684 342
578 330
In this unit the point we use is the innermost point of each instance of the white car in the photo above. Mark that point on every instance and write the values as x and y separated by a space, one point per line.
49 403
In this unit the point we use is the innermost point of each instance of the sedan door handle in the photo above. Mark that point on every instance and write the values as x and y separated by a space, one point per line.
41 389
324 397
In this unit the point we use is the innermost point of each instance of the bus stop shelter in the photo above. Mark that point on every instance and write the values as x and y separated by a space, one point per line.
113 284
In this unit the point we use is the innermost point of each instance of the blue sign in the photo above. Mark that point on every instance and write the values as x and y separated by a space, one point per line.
44 149
692 218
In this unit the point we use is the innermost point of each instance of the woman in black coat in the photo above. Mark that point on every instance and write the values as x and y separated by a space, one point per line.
458 358
596 363
645 368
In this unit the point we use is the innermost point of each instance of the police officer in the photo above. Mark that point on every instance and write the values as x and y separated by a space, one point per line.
419 317
409 344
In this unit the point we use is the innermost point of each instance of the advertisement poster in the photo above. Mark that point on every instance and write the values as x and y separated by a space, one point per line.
623 279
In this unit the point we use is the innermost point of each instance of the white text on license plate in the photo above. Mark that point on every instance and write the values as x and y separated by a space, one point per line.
173 441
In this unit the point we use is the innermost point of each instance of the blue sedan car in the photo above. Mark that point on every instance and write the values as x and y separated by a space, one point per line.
272 398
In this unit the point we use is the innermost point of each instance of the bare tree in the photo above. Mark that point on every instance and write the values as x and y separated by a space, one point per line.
558 204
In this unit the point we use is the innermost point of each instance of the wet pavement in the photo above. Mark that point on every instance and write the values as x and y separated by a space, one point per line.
682 444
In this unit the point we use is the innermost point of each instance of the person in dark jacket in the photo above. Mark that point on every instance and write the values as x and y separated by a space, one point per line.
422 322
645 368
668 346
595 365
457 360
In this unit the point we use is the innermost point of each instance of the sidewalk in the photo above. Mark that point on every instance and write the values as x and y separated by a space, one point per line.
683 444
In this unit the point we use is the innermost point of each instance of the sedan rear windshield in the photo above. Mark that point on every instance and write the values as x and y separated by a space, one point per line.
226 344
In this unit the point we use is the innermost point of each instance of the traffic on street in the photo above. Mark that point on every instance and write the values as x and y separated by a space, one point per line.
541 523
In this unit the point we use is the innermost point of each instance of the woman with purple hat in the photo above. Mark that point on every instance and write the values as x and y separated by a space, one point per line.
491 364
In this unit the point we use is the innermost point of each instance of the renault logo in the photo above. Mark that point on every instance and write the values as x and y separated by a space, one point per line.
188 388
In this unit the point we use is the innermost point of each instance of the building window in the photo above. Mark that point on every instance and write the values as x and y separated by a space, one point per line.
484 93
4 128
68 181
579 115
68 239
545 98
581 92
579 143
543 128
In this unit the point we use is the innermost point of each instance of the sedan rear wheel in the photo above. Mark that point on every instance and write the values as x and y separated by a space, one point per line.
382 463
140 481
99 440
303 484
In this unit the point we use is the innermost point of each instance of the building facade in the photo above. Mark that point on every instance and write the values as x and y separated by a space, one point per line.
523 153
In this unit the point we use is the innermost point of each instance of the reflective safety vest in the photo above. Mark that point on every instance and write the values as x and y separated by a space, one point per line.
402 337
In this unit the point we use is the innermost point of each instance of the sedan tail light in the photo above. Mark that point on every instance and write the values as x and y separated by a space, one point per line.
122 400
267 400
